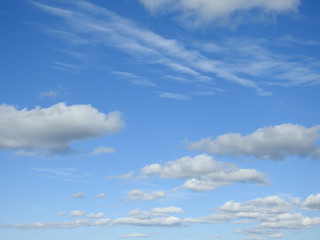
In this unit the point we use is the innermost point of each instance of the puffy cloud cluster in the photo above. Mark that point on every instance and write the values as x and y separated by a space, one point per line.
52 129
275 142
204 11
266 217
270 215
202 173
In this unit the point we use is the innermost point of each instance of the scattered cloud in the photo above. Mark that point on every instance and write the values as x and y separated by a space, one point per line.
312 202
276 142
199 12
61 213
134 235
100 195
102 150
135 79
203 173
138 195
77 213
266 217
95 215
170 221
64 174
52 129
50 93
77 195
124 176
68 67
176 96
159 211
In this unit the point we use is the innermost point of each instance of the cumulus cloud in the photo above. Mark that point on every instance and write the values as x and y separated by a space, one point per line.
312 202
276 142
52 129
204 11
266 217
203 173
138 195
77 195
77 213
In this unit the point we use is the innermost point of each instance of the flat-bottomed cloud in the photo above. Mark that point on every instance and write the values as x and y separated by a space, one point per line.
52 129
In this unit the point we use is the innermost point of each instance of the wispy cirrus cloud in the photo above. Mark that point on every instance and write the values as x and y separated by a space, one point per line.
176 96
64 174
202 12
247 62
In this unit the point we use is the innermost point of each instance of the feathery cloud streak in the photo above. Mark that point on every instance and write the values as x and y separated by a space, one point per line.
97 26
199 12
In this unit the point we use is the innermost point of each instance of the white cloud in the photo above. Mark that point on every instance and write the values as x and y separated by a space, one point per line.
266 217
61 213
203 173
243 61
77 213
50 93
134 235
77 195
138 195
100 195
159 211
204 11
312 202
102 150
170 221
52 129
275 142
176 96
135 79
95 215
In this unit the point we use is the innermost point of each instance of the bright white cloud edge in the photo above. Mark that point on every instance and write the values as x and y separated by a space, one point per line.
276 142
52 129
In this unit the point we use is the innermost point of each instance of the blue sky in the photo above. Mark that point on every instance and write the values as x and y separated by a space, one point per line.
160 119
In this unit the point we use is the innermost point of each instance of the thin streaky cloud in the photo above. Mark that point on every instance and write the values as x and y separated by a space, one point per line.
176 96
